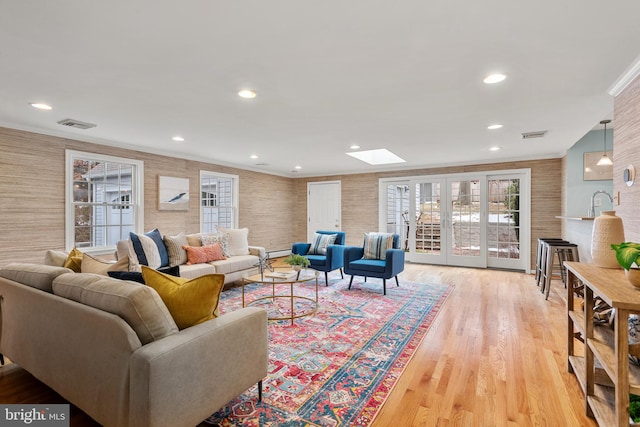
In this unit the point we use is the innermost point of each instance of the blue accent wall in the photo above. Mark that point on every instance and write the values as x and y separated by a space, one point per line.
579 191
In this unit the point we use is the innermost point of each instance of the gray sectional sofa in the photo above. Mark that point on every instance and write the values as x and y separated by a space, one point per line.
111 347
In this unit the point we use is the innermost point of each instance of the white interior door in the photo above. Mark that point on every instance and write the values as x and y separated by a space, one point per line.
324 205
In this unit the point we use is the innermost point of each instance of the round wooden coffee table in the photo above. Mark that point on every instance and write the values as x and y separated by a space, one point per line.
284 276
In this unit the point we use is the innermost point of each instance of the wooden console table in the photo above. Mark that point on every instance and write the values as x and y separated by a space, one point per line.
604 372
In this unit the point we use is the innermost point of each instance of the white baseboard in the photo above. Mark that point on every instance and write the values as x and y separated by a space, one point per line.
279 253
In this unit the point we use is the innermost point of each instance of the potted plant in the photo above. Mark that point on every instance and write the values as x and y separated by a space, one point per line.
297 262
628 256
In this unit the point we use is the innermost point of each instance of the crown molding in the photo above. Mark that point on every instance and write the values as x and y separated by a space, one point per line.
627 77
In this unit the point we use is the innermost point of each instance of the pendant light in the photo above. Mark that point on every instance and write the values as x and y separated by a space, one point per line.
604 160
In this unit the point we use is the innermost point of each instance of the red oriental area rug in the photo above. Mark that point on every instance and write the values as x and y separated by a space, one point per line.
337 366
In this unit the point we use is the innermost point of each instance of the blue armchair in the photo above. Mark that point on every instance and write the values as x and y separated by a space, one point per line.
333 258
390 264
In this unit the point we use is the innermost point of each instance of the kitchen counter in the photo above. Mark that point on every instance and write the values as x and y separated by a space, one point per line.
578 229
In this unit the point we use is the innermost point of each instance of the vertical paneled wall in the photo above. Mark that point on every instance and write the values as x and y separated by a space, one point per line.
32 204
626 151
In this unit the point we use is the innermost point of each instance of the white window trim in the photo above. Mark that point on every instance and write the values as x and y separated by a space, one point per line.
137 182
236 194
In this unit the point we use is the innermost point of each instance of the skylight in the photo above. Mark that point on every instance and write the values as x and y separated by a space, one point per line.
381 156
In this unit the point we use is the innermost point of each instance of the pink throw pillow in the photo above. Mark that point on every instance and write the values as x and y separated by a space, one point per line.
202 254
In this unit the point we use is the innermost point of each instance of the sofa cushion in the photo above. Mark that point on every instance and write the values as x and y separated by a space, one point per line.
91 264
202 254
140 306
174 245
196 270
238 240
221 238
376 245
149 249
55 258
369 265
74 260
190 301
34 275
320 243
235 263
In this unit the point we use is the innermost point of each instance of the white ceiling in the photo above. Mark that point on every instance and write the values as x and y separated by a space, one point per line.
405 75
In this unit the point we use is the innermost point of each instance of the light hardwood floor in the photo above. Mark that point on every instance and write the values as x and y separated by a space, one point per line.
494 356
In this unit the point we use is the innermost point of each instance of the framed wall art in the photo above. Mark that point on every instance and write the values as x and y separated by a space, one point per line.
173 193
593 172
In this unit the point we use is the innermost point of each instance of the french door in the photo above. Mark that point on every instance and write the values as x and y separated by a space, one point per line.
473 220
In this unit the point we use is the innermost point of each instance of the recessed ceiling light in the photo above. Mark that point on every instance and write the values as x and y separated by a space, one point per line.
494 78
354 146
495 148
178 138
247 94
41 106
381 156
298 167
496 126
254 156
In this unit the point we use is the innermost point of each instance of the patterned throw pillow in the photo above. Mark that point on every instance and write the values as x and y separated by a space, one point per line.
376 245
189 301
221 238
150 249
320 243
202 254
174 244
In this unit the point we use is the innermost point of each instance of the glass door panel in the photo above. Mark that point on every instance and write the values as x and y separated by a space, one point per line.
427 231
503 224
397 218
428 218
467 230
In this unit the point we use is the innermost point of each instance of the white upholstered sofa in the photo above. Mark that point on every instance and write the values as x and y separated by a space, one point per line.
111 347
242 258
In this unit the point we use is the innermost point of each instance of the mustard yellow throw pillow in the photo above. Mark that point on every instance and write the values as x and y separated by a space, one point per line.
190 301
74 260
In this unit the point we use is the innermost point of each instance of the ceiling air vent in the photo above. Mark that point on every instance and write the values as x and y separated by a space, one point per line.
76 124
539 134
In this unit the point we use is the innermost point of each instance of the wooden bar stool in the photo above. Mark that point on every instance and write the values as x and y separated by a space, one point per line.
541 255
566 252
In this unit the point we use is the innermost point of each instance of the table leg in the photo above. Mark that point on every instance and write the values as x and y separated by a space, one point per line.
291 303
243 293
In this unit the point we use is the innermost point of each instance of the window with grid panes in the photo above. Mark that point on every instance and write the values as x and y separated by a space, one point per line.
103 200
218 201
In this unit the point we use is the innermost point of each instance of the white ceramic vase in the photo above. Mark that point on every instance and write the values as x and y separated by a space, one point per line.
607 229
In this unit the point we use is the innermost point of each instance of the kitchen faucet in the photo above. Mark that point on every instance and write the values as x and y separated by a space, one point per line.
592 210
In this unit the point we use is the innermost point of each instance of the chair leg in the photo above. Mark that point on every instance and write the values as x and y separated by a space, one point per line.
326 278
341 273
384 286
260 391
397 284
365 279
350 282
1 360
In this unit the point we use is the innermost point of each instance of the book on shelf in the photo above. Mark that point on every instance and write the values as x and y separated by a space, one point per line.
282 275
